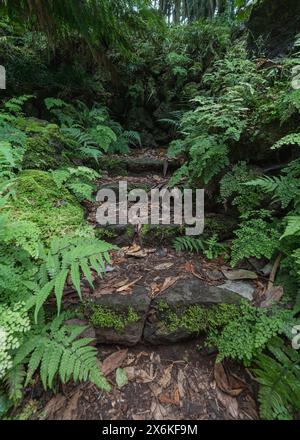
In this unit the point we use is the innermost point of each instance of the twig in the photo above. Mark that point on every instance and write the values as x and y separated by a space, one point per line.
274 272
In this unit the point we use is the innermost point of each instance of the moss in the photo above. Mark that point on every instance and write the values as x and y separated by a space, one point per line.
197 318
45 146
160 233
113 165
221 225
103 233
104 317
38 200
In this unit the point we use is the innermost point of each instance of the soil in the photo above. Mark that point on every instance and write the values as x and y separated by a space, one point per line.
174 382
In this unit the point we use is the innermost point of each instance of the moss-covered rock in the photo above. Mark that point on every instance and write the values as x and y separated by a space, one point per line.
105 317
46 145
38 200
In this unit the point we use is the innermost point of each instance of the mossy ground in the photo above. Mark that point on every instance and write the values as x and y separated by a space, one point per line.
105 317
196 318
38 200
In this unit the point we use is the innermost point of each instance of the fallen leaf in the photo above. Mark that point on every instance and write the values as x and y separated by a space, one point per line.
54 405
143 377
227 382
169 282
271 296
177 396
127 287
71 412
164 266
158 412
121 378
130 371
188 267
114 361
155 389
166 378
180 383
155 289
229 403
239 274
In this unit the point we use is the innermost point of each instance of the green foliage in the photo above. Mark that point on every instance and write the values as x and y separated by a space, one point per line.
278 372
77 180
197 318
211 248
232 187
104 317
69 256
14 324
38 200
256 236
57 350
245 336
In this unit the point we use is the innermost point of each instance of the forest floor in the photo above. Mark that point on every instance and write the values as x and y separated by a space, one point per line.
178 381
174 382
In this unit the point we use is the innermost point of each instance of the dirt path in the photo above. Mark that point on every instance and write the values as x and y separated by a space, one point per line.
177 381
174 382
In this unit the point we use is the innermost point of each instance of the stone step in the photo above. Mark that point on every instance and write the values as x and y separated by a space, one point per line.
138 165
186 310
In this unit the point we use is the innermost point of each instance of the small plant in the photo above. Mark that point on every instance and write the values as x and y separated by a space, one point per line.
278 372
69 256
57 350
257 236
211 248
244 337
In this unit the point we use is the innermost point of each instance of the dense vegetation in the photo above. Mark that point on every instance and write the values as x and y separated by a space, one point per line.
93 78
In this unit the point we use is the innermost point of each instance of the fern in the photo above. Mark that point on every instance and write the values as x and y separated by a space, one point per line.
77 180
57 351
255 237
210 247
189 244
278 373
74 256
290 139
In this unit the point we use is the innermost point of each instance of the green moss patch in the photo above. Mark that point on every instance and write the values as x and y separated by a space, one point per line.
46 146
38 200
104 317
197 318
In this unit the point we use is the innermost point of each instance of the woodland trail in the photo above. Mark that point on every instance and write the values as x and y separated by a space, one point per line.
174 381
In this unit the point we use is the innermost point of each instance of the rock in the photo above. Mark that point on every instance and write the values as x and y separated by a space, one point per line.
243 289
180 298
239 274
88 333
276 23
119 319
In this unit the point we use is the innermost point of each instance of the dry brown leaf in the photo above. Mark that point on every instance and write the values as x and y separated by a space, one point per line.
188 267
227 382
177 396
271 296
114 361
155 389
166 378
169 282
71 412
164 266
158 412
143 377
54 405
229 403
128 287
239 274
155 289
121 283
180 383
